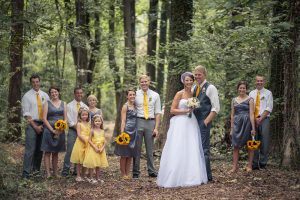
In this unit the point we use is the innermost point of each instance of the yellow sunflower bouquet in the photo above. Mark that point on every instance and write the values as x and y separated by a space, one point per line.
253 144
123 139
60 125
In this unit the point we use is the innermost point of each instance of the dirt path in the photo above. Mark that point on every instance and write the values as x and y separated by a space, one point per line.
271 183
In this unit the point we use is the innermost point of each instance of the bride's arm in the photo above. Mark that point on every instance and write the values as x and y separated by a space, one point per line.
174 107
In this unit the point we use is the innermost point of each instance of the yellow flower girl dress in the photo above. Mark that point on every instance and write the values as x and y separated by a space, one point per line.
79 149
92 158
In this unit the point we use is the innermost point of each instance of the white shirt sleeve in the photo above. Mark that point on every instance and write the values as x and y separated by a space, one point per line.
70 114
26 106
213 95
269 106
157 106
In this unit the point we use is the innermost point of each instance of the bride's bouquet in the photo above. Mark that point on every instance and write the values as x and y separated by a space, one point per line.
193 103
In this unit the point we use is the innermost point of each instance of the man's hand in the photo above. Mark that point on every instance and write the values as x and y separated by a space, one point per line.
258 121
155 133
38 129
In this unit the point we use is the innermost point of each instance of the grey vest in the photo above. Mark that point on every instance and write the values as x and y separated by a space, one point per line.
205 103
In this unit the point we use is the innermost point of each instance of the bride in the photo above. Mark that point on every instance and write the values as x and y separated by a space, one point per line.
182 162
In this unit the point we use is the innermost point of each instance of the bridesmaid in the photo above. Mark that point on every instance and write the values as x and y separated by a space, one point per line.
53 140
242 124
92 102
128 124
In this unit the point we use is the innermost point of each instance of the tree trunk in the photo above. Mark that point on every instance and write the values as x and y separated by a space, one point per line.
277 85
180 25
81 56
115 68
129 54
15 81
291 134
151 40
162 48
96 44
16 59
129 37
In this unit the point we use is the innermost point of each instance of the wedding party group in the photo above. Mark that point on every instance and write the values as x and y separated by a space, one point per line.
185 158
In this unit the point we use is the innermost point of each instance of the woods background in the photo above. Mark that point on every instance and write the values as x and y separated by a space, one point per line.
104 45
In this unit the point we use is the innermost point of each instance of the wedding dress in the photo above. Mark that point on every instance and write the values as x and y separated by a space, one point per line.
182 161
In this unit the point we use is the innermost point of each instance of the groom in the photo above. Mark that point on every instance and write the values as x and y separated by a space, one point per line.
209 107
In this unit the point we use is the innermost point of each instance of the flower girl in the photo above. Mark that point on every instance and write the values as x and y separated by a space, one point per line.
96 155
79 150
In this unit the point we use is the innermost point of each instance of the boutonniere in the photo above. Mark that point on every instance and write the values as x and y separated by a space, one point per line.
262 98
150 99
203 90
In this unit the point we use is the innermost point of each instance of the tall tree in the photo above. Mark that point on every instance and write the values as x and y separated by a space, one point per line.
129 54
291 131
129 38
16 59
113 64
81 40
151 40
180 25
162 47
285 55
277 78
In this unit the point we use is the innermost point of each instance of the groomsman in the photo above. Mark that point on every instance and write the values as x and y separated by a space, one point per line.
263 101
148 108
32 107
209 108
72 112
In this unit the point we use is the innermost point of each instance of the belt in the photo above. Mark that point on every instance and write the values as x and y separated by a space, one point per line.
73 128
145 118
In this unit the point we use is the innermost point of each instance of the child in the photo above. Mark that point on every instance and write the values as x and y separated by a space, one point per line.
81 143
96 156
128 124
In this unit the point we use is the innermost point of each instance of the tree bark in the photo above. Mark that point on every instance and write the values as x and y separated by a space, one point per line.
162 48
94 44
113 65
129 37
180 25
151 40
16 59
277 85
129 79
291 133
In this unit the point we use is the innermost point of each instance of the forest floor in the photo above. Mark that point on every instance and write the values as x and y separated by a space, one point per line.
270 183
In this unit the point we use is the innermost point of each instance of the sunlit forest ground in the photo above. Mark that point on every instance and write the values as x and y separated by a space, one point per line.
270 183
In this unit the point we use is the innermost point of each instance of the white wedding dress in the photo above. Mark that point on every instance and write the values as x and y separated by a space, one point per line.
182 161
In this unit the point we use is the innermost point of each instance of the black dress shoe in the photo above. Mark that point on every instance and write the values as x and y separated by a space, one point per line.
255 168
135 176
262 166
153 175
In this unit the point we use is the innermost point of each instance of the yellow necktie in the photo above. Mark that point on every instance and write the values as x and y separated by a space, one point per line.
257 104
198 90
78 106
146 109
40 106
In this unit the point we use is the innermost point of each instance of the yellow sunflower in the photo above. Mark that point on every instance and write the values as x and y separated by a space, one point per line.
123 139
253 144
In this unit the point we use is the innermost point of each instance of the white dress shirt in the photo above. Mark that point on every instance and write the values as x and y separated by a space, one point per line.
212 94
266 100
72 112
29 103
154 105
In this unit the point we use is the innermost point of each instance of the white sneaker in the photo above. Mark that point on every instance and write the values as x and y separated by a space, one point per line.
78 179
93 181
100 181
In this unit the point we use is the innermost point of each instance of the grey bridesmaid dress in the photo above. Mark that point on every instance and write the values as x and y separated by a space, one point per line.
242 125
130 128
49 143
